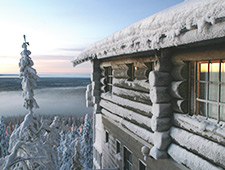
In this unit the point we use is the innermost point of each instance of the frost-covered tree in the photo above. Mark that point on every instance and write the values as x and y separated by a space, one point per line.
27 150
77 157
87 143
4 141
66 147
66 151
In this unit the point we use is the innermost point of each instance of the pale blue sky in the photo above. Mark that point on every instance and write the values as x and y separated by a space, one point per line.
59 29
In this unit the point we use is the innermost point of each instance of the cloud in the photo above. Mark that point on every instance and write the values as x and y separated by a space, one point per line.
71 49
51 57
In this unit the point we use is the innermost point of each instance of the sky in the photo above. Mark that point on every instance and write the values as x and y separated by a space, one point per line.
59 30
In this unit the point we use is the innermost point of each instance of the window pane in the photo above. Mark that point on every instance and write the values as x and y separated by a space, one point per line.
222 112
223 71
203 71
213 91
222 93
127 160
202 90
117 147
214 71
212 110
141 166
202 109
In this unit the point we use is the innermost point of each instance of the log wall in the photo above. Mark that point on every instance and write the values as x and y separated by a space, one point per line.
197 143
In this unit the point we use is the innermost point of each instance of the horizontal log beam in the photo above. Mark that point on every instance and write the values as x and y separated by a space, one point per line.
189 159
131 94
204 147
140 85
128 103
136 130
194 124
125 113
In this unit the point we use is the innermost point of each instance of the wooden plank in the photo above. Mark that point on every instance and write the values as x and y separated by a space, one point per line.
132 95
126 103
127 114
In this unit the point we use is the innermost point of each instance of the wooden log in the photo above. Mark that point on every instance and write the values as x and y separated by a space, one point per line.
132 95
194 124
161 110
189 159
160 124
162 140
141 73
159 94
135 129
125 113
120 71
95 92
180 72
179 89
95 76
180 106
157 78
126 103
139 85
163 64
204 147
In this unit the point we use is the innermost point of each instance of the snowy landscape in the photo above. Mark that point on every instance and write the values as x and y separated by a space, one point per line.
38 143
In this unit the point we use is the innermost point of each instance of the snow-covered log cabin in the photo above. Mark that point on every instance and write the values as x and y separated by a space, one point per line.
158 89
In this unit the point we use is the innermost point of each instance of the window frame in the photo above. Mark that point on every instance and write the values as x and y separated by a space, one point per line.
197 81
130 163
109 78
106 136
141 162
118 142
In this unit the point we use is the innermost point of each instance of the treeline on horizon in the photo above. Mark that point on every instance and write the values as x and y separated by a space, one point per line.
14 84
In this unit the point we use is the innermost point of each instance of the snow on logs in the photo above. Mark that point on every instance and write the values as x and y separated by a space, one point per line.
96 85
135 129
201 126
197 144
161 107
126 114
189 159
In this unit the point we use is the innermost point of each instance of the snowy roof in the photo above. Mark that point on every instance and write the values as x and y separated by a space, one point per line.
188 22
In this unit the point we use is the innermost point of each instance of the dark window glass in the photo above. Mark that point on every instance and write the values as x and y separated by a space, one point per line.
128 159
142 166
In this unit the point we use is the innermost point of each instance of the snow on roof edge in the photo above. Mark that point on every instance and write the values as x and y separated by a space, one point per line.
188 22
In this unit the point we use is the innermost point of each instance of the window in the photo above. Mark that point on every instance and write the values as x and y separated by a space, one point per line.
107 137
117 147
127 159
210 88
142 165
109 79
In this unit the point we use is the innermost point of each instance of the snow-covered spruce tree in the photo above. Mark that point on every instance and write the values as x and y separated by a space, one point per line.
4 142
27 150
77 157
87 143
65 151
